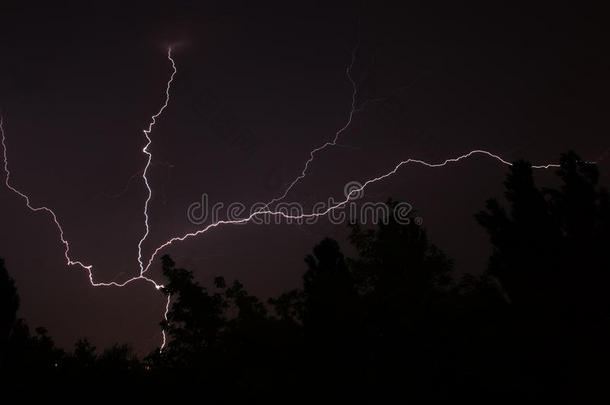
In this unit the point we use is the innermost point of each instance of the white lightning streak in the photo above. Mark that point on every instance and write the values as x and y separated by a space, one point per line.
313 152
149 158
266 211
69 260
338 205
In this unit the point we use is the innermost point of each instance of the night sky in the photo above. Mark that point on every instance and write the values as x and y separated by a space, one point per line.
259 86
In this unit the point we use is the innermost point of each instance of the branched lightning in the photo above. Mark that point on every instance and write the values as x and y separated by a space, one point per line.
130 180
144 265
354 109
340 204
333 142
89 268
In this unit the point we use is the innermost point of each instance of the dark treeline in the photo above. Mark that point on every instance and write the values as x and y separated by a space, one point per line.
394 322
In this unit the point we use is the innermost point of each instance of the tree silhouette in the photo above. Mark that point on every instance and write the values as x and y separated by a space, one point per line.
8 309
196 318
549 248
84 354
358 315
401 278
224 338
550 258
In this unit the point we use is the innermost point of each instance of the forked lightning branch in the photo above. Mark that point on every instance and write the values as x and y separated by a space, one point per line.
266 209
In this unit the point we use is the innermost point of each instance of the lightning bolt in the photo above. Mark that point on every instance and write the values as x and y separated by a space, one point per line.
149 157
64 241
354 109
144 266
333 142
